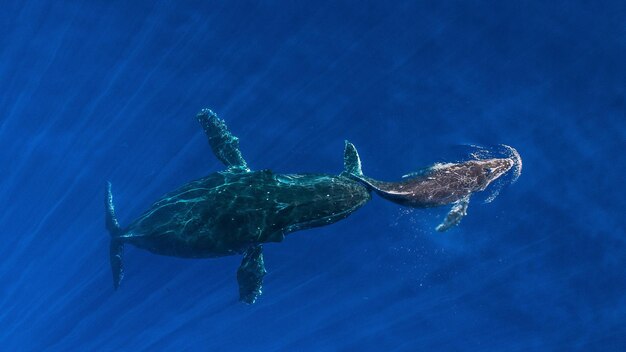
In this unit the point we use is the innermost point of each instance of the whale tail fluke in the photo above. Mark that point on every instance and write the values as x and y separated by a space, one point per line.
117 245
351 161
352 167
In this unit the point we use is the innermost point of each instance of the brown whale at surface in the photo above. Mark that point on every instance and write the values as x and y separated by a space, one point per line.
443 184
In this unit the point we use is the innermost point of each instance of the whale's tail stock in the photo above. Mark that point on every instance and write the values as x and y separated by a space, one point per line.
117 245
352 167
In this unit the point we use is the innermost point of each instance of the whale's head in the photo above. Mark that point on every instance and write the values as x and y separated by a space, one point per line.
312 200
488 170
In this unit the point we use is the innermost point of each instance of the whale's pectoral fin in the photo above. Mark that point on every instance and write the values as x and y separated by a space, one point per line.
458 211
250 275
225 146
116 251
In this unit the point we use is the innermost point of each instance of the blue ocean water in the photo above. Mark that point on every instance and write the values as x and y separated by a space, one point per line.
108 90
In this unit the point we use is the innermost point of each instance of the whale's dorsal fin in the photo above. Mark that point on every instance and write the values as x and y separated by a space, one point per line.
225 146
250 275
351 160
420 172
458 211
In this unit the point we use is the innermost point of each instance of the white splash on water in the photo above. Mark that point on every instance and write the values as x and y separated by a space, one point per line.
517 161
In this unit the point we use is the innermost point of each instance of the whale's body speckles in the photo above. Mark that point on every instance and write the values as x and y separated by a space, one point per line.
441 184
226 213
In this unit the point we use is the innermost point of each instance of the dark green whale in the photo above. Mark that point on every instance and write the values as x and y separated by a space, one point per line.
237 210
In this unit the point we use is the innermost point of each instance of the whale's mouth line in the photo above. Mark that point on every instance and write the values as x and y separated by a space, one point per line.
329 219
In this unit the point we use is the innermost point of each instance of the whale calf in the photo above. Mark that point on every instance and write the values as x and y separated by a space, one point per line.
441 184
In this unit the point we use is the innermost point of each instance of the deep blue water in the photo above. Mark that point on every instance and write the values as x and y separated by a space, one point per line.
108 90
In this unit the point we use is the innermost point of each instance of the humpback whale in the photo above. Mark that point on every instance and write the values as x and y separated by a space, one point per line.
441 184
235 211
